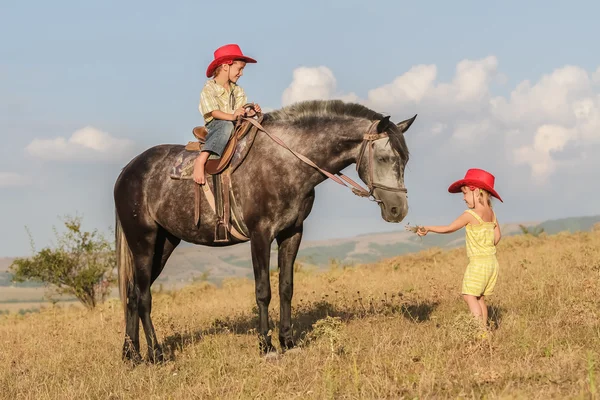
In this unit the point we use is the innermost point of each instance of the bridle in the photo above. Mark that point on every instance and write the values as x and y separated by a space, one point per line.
368 139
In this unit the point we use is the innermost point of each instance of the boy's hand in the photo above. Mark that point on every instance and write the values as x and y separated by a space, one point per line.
250 111
240 112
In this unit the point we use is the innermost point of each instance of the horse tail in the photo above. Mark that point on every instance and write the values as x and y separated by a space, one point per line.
124 265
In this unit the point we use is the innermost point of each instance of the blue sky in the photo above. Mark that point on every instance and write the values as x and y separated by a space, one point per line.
512 87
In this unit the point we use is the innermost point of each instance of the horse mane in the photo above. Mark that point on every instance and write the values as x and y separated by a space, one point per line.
305 111
307 114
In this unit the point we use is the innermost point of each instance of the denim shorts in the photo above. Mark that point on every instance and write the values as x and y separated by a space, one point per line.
219 132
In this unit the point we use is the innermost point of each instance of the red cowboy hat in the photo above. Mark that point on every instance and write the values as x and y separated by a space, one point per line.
226 55
476 178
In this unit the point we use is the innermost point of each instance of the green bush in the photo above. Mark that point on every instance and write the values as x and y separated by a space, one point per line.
82 264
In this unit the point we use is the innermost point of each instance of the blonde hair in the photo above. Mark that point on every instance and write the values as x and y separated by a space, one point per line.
484 193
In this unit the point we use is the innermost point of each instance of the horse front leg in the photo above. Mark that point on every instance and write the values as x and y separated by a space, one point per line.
261 249
289 242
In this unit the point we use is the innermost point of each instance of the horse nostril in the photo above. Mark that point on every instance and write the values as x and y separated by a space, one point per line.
394 210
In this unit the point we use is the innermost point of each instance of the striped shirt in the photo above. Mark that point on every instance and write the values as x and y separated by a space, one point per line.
216 97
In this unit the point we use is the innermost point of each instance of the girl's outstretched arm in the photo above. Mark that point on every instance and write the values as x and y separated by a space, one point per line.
458 223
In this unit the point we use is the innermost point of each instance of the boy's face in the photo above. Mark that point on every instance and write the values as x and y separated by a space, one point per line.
235 70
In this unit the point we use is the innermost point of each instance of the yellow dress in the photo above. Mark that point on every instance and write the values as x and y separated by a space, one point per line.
482 271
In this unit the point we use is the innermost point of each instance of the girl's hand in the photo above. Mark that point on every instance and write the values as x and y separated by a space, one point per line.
257 108
422 231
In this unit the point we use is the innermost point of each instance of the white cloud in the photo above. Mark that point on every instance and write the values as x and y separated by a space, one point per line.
472 80
472 130
438 128
596 76
545 124
539 124
465 94
316 83
86 144
549 100
412 86
587 116
12 179
560 109
548 139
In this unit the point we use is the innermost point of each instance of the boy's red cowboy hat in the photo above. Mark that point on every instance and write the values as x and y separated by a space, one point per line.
477 178
226 55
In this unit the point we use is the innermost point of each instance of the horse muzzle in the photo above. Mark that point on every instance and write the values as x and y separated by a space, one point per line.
394 206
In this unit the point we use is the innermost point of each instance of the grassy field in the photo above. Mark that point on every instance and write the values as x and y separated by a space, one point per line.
32 299
395 329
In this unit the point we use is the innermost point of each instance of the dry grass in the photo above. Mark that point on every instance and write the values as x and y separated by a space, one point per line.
398 329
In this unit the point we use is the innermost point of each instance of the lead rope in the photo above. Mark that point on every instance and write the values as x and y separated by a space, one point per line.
356 189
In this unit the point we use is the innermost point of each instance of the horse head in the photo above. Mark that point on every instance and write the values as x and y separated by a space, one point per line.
381 163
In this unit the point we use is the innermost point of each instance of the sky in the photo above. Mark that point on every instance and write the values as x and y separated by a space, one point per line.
510 87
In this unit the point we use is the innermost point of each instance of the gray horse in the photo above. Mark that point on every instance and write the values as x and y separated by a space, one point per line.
275 192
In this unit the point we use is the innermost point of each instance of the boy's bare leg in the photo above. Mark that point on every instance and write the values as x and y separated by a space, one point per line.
199 177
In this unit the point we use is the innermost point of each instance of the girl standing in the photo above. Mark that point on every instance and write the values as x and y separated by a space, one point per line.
481 237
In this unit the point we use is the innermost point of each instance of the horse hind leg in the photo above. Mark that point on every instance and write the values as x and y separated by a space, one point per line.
131 347
129 294
163 247
139 305
135 278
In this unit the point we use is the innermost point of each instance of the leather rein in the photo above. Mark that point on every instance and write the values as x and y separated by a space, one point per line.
342 179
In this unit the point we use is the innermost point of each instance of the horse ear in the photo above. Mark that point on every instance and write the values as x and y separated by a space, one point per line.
383 124
404 125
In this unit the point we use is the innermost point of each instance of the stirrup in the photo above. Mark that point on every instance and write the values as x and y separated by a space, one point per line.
221 232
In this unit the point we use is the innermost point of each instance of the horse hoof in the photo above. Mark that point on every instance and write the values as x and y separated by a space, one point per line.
134 359
156 358
130 354
294 350
266 348
286 344
272 356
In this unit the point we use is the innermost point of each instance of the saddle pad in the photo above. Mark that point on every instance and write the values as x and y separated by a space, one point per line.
183 167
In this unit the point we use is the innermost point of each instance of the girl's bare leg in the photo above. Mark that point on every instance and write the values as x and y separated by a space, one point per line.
474 305
484 310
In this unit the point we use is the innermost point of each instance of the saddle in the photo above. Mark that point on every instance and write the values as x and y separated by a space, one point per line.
220 198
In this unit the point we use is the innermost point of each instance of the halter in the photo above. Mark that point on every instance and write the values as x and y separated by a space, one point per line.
368 141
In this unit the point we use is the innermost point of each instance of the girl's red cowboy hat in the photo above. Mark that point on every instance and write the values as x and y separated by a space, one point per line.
477 178
226 55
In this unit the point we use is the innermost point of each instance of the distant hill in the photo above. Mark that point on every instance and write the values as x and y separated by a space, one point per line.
5 276
569 224
190 262
5 262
